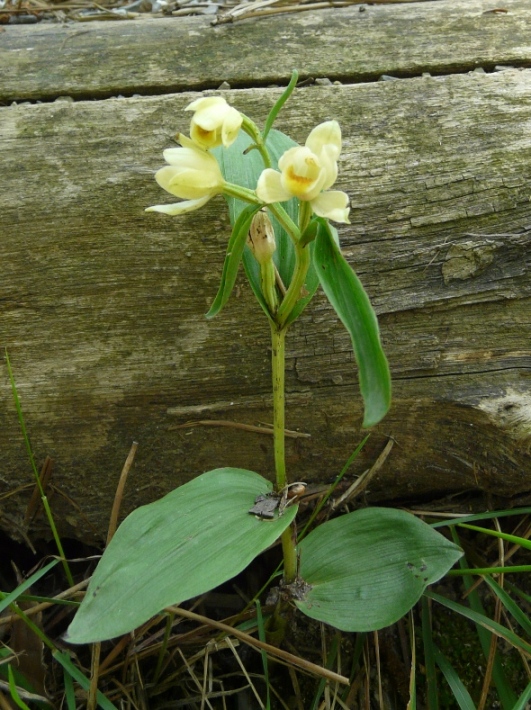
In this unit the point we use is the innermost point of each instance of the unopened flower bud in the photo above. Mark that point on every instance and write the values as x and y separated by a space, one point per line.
261 239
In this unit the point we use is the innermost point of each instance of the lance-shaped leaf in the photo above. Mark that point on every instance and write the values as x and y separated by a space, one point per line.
192 540
347 295
233 257
366 569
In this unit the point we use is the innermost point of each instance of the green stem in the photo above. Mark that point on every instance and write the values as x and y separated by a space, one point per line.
278 363
285 220
289 553
278 338
302 257
305 215
251 129
241 193
268 282
294 292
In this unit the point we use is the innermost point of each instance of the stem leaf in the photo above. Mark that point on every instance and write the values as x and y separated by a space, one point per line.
278 105
351 303
233 257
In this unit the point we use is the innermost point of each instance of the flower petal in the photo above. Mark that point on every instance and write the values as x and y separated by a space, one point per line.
186 143
184 183
327 133
269 188
192 172
164 176
209 111
333 205
192 184
329 165
191 156
178 208
231 126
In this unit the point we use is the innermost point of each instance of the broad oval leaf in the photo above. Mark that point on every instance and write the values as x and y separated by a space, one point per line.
195 538
351 303
366 569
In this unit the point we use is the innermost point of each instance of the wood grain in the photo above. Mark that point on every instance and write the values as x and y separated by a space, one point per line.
354 44
102 305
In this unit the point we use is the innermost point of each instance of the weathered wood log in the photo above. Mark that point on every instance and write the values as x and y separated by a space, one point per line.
102 305
356 44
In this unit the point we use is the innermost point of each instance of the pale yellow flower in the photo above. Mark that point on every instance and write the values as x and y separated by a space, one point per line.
307 172
214 122
191 174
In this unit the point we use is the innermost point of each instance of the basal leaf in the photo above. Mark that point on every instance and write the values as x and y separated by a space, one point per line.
195 538
366 569
347 295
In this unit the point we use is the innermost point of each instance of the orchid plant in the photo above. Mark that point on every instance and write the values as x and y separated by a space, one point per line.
358 572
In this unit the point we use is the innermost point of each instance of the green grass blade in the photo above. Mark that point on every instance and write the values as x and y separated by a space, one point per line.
489 515
64 659
482 620
500 535
44 500
13 690
70 695
487 571
412 704
523 700
521 617
21 421
506 694
8 599
461 694
518 592
263 653
330 660
432 691
322 503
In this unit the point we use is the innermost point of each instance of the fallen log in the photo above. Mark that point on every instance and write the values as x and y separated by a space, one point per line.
102 305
